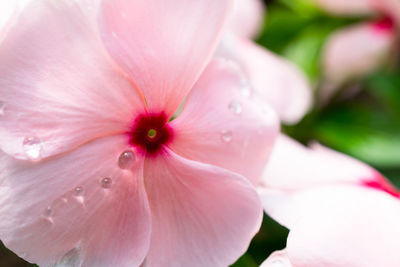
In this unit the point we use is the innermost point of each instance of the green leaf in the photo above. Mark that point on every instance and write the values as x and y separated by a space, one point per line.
385 87
245 261
281 27
363 130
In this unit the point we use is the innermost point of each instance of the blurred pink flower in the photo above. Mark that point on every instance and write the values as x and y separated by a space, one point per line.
340 212
355 51
274 81
390 7
248 18
94 172
358 50
271 79
346 7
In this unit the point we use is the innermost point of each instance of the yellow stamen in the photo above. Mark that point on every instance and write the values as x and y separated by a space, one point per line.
152 133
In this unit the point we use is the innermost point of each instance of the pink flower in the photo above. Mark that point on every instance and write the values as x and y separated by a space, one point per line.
345 7
355 51
94 172
358 50
340 212
274 81
248 18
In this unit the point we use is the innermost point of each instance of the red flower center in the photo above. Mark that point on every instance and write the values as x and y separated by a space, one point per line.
384 25
150 132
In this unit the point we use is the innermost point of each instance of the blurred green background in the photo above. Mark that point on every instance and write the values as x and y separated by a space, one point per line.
365 125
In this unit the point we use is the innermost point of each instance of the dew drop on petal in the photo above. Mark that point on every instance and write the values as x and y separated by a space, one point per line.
64 199
71 258
245 88
126 159
226 136
245 91
235 107
106 182
48 212
78 191
32 148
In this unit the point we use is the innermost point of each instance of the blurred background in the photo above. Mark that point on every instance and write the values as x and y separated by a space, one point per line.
356 83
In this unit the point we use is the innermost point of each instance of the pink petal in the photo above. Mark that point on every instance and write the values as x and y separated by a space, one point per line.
293 166
390 8
202 215
58 88
248 18
277 259
354 52
62 210
163 45
347 7
345 226
7 10
274 80
223 126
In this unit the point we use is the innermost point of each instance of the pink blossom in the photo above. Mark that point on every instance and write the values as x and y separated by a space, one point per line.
355 51
358 50
274 81
271 79
346 7
336 208
248 18
390 7
93 171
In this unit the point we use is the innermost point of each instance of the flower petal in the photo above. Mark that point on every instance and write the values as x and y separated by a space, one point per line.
57 86
293 166
390 8
163 45
346 7
7 10
353 52
248 18
202 215
345 226
62 210
275 80
221 125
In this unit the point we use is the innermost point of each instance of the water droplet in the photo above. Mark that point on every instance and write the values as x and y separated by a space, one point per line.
235 107
71 258
2 107
78 191
245 88
106 182
226 136
48 212
32 148
126 159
